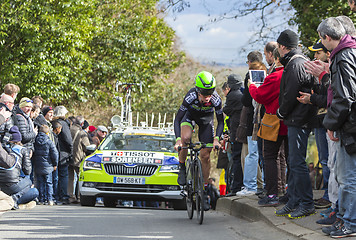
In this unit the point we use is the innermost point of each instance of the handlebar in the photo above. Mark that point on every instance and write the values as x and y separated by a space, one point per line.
193 145
128 85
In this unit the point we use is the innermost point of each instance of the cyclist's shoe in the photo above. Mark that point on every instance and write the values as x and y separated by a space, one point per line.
206 202
182 178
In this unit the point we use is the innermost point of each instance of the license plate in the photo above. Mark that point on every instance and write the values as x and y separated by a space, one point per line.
129 180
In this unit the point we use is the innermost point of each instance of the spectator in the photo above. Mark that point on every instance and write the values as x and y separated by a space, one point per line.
38 100
11 90
299 118
46 160
99 135
318 99
7 104
65 154
250 162
25 124
11 182
35 112
340 120
91 133
80 142
268 94
352 5
6 161
57 128
213 193
232 108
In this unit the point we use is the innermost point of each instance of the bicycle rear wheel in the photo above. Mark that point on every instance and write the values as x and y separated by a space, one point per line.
199 191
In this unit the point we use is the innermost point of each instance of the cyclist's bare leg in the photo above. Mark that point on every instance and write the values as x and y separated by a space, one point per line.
186 135
205 162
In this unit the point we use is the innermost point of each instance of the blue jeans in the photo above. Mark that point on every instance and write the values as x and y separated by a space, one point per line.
345 170
21 192
323 154
299 186
55 184
45 186
62 182
251 165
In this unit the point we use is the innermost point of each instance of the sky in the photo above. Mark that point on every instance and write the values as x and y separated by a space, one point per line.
220 42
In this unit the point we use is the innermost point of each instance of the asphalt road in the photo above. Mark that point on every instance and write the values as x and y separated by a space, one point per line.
77 222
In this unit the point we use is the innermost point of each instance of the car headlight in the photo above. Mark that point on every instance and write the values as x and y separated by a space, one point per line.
169 168
89 165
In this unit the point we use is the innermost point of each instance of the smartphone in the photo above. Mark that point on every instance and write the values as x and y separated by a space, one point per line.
257 76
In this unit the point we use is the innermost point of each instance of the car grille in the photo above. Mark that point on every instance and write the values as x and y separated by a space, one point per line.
138 170
109 187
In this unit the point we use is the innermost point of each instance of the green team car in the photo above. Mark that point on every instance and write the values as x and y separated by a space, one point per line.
132 163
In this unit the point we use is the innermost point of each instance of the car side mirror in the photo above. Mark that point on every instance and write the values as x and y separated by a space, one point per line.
91 148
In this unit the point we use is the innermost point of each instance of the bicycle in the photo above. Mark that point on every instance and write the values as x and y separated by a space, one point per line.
126 111
194 189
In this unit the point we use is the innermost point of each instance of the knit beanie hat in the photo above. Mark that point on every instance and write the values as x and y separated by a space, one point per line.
92 128
288 38
25 102
46 109
234 80
15 134
85 124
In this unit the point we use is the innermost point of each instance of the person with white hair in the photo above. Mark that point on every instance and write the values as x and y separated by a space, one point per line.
65 153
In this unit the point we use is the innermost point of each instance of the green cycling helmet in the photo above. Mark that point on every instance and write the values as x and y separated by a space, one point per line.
205 83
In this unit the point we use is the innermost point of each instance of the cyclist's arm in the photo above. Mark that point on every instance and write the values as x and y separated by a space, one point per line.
180 114
220 118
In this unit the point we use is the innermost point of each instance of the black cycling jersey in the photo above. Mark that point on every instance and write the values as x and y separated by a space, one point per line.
202 114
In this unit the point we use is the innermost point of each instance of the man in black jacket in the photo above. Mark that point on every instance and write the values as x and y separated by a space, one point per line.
298 118
340 119
65 153
232 108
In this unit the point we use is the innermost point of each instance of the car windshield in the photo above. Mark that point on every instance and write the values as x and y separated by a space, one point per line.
121 141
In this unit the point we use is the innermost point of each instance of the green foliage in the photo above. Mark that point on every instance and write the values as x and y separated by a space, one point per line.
68 50
309 14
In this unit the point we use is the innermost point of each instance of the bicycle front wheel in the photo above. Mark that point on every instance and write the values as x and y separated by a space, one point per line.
199 191
189 198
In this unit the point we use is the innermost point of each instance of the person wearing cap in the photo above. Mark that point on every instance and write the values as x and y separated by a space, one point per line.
11 180
268 95
319 99
80 142
25 124
232 108
65 143
300 119
99 135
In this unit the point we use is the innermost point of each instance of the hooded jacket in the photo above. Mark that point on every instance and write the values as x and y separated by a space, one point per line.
45 155
294 80
341 114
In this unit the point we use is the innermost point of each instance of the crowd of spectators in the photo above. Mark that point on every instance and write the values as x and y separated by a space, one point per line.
40 151
269 125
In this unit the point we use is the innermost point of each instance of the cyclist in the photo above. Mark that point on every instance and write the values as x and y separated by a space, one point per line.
198 108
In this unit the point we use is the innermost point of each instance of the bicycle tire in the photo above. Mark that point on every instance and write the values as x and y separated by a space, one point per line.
189 198
199 191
